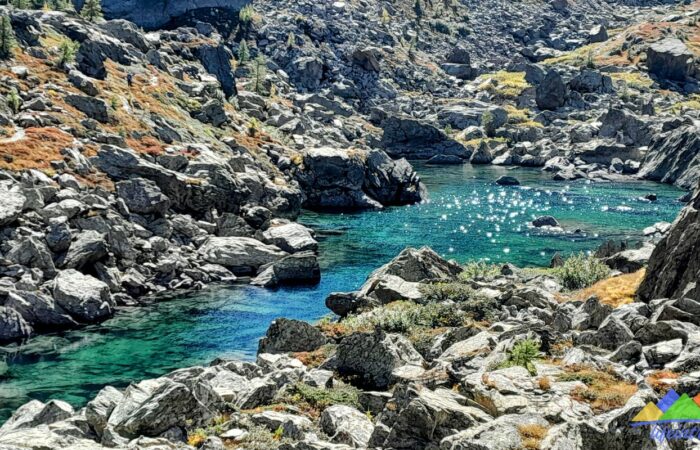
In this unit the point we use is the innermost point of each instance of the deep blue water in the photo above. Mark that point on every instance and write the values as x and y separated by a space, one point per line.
468 217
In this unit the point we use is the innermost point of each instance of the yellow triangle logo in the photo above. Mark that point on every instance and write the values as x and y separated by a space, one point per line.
650 413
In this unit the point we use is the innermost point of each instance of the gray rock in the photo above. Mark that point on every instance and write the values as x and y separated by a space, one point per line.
291 237
369 58
674 157
92 107
674 266
12 204
418 139
85 84
659 354
298 268
143 196
285 335
598 34
88 247
551 92
98 410
346 425
293 426
155 406
507 181
39 310
84 297
32 252
545 221
415 265
13 327
670 58
373 356
242 255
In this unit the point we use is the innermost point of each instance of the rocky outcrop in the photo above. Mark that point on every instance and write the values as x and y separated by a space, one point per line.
156 13
674 157
674 265
284 335
417 139
348 179
670 59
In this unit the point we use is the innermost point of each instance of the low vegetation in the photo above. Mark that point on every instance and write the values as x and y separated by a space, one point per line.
524 354
508 85
480 269
532 435
604 390
661 381
581 271
313 400
615 291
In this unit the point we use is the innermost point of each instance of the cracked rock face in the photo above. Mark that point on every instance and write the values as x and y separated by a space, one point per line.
674 266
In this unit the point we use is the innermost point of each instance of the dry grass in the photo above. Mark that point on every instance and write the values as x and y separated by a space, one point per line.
503 84
662 381
532 435
604 390
637 80
615 291
316 357
39 147
544 383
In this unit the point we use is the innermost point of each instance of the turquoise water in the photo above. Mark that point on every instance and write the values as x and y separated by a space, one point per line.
468 217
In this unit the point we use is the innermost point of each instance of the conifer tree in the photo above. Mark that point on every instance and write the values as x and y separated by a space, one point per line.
243 52
259 73
7 38
92 10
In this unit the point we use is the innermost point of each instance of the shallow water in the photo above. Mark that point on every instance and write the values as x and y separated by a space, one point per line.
467 218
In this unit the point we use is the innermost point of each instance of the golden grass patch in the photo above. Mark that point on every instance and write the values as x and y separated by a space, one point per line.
615 291
503 84
604 390
532 435
662 381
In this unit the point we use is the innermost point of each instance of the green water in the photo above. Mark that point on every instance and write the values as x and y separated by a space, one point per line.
468 217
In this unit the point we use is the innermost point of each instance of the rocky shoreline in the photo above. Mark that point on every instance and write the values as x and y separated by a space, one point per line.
134 163
427 354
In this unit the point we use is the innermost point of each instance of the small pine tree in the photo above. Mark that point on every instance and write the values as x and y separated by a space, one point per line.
259 73
243 52
92 10
14 101
7 38
64 5
67 52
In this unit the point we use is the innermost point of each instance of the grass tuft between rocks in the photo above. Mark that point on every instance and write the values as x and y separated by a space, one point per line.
532 435
604 391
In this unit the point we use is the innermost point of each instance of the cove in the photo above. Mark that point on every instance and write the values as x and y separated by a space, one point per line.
467 218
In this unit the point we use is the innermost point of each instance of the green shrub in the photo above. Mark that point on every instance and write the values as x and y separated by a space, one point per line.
523 353
440 292
14 101
67 51
481 307
488 121
480 269
580 271
7 38
402 317
321 398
